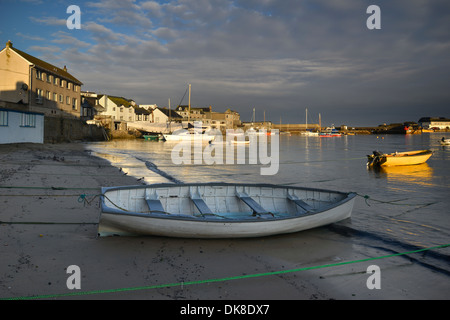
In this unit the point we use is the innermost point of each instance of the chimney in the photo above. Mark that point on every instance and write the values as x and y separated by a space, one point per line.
65 69
9 44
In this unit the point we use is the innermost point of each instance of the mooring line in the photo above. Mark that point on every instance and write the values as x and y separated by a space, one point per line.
247 276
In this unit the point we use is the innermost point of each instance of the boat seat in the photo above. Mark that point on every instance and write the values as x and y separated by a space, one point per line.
251 203
200 203
300 203
153 202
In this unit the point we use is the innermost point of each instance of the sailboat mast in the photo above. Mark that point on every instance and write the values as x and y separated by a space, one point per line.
170 118
189 114
306 119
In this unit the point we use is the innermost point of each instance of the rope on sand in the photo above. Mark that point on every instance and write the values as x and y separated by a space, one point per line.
393 202
188 283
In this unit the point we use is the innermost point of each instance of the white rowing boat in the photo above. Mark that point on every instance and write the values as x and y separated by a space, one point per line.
219 210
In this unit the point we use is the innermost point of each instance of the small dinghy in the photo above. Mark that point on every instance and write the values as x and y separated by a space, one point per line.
219 210
444 142
398 158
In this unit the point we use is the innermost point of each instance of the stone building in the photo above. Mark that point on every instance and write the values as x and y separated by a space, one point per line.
30 84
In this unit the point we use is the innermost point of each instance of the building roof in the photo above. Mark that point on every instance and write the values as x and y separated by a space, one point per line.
173 114
120 101
140 110
44 65
91 102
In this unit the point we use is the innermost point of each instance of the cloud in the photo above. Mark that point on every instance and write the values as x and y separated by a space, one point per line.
51 21
64 38
29 37
121 12
245 53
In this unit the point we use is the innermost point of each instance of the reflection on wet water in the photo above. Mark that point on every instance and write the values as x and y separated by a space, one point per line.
418 174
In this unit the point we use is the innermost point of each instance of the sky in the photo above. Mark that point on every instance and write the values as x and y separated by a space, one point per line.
279 57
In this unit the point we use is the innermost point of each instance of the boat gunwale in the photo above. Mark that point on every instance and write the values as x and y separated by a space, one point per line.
413 153
205 219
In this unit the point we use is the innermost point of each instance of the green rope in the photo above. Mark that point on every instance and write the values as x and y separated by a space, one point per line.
392 202
46 188
218 279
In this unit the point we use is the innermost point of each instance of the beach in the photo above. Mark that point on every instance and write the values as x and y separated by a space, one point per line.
49 197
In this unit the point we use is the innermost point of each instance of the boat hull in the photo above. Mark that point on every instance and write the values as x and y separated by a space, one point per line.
399 158
189 137
186 223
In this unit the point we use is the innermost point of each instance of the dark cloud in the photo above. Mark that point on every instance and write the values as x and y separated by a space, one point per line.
281 56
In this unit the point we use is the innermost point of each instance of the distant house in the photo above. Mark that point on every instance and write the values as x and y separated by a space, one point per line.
434 123
196 114
21 126
164 115
30 84
218 120
224 120
118 108
90 106
141 114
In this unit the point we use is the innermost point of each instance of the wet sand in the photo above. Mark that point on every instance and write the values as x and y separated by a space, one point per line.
46 227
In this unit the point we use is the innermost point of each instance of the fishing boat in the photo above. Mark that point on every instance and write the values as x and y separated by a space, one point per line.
398 158
218 210
330 132
444 142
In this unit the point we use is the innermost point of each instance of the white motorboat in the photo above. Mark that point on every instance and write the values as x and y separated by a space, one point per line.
189 135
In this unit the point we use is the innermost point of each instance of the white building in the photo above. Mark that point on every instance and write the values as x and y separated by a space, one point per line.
434 123
117 107
21 126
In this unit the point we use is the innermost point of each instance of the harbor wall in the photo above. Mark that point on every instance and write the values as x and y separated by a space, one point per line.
59 129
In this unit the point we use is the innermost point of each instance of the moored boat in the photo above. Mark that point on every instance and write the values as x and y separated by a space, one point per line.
219 210
189 135
398 158
444 142
151 137
330 132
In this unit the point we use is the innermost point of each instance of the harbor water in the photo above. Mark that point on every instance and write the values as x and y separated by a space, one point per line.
398 208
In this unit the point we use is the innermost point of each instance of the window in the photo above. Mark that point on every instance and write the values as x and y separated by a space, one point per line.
61 98
74 104
75 88
55 81
40 94
49 78
3 118
68 84
28 120
39 74
67 100
55 97
48 95
62 83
